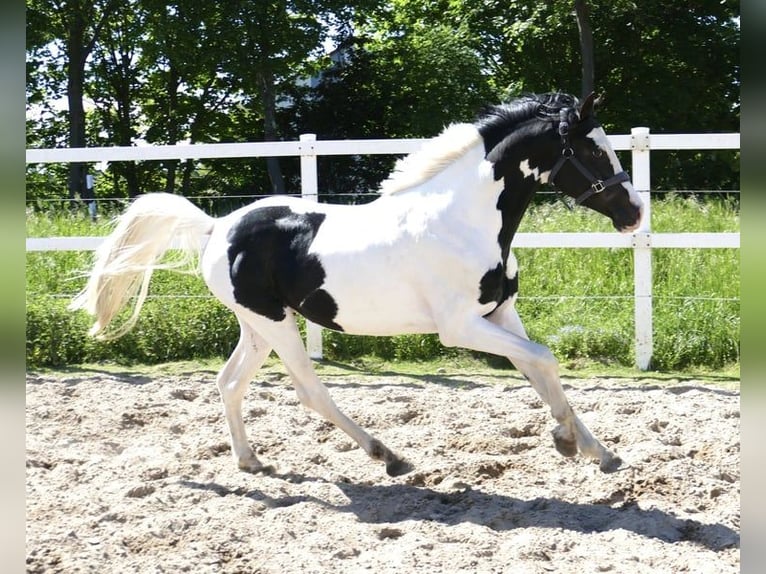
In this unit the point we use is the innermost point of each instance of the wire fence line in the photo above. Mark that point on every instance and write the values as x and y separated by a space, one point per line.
519 298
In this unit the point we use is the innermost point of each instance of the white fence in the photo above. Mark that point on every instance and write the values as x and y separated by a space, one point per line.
642 241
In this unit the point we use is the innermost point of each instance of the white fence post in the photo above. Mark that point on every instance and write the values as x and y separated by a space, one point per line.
642 249
310 190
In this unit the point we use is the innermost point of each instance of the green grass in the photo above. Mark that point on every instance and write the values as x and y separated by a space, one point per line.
695 291
577 301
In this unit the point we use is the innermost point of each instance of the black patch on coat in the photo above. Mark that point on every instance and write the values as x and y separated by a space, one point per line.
271 269
512 204
523 128
514 132
495 287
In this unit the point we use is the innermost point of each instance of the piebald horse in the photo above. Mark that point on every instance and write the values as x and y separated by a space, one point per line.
431 254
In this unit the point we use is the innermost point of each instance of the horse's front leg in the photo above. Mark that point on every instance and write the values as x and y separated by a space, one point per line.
502 333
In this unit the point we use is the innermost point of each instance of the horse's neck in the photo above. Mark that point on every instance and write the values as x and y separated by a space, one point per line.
468 193
513 202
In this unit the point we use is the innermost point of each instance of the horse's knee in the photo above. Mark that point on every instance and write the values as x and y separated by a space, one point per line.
544 361
232 390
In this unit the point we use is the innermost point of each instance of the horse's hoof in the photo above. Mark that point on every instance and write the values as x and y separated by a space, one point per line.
610 463
566 446
256 467
398 467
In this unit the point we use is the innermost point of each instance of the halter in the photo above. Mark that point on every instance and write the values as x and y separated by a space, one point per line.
567 155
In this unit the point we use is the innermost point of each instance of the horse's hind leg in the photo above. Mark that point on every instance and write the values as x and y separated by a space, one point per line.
233 381
287 342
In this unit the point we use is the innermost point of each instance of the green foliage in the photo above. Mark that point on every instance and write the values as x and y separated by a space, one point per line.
696 332
577 301
204 72
340 347
217 72
410 86
671 66
54 337
169 329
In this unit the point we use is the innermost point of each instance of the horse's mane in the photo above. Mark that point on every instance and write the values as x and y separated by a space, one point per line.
529 114
526 116
436 154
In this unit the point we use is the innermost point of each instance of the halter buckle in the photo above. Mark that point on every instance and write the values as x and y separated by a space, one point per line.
598 186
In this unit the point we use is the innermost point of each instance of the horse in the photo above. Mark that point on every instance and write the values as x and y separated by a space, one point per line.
430 254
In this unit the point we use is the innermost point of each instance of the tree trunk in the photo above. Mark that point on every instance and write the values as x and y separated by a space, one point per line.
270 132
123 96
172 165
586 46
188 168
124 132
77 53
125 139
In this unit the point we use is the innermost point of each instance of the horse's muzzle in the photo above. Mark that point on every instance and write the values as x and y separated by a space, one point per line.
628 219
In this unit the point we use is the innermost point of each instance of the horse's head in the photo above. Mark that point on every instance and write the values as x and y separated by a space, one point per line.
553 138
587 168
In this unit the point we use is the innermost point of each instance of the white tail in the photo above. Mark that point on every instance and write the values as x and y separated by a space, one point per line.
126 260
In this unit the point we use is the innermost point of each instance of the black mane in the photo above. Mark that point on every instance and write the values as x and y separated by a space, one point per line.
527 115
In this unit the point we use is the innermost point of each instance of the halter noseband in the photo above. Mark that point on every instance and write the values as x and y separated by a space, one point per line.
567 155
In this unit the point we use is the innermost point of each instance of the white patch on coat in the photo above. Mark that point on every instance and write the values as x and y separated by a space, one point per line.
404 262
599 138
394 265
528 171
511 266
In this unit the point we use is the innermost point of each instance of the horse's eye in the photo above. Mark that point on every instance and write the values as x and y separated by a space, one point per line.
598 152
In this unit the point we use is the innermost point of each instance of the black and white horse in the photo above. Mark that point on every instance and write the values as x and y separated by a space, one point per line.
430 255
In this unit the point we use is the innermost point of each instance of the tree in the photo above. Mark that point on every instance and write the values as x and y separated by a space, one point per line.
235 70
671 66
187 89
406 86
116 85
586 47
280 42
74 27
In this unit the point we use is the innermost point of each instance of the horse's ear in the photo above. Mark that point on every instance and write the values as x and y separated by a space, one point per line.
586 109
598 102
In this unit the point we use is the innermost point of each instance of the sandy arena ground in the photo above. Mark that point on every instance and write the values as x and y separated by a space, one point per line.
130 472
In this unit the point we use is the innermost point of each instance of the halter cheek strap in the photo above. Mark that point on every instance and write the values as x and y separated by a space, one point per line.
567 155
596 185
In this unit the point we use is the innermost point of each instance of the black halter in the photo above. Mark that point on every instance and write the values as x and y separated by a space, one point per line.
568 155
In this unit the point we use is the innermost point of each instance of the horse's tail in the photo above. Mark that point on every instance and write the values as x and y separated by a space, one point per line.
125 261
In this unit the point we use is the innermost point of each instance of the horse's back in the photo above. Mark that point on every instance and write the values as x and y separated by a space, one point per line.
379 269
343 267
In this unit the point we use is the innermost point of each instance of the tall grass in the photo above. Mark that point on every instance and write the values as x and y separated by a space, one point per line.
577 301
580 301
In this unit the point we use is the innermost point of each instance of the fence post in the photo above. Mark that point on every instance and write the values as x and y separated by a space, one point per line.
642 249
310 191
